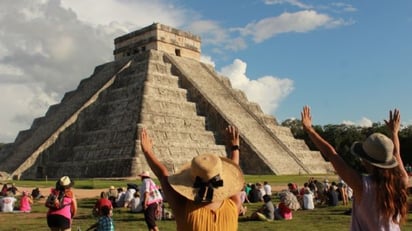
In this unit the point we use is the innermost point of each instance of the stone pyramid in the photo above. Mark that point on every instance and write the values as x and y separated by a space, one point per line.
156 81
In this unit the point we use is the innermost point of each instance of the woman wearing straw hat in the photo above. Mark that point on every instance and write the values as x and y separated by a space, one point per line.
204 194
380 195
60 219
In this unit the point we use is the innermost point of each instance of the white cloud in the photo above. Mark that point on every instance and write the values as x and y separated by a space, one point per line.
291 2
300 22
22 103
133 14
267 91
210 31
207 59
46 49
236 44
363 122
340 6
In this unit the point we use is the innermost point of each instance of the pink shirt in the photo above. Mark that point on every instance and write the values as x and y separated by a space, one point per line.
25 204
284 211
65 211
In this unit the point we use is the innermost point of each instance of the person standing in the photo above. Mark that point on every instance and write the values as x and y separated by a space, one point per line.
60 219
381 200
151 199
204 193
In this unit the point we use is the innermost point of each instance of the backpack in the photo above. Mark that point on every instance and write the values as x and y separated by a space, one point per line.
154 194
55 200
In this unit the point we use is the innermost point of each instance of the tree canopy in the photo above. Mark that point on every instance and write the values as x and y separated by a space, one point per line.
342 137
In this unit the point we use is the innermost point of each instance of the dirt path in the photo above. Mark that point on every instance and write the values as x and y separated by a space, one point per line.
79 193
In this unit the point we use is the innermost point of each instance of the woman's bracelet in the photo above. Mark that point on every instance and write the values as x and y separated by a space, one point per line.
235 147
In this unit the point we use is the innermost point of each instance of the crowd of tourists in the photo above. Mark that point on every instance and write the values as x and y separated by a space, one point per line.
209 192
14 200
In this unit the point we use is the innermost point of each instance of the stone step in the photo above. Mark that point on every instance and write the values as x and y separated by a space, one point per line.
126 92
170 135
106 135
101 151
158 121
160 79
166 92
68 95
179 154
294 144
127 79
166 107
159 67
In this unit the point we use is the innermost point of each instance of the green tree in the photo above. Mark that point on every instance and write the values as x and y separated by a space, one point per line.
342 136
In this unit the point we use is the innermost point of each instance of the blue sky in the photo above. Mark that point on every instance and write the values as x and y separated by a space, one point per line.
349 60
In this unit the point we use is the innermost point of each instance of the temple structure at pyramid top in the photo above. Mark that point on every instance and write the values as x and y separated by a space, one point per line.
156 81
158 37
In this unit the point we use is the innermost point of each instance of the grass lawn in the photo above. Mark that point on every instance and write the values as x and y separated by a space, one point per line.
322 218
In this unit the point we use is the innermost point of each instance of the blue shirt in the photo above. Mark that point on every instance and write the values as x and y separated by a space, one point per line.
105 224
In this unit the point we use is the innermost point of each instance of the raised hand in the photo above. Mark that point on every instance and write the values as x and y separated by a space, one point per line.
145 141
232 135
394 121
306 118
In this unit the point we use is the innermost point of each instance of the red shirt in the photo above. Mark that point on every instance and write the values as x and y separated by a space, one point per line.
103 202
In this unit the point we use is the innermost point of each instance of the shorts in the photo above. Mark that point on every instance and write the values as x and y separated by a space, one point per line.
150 215
58 221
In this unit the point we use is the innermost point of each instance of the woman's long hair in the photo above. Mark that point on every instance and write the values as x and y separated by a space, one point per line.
392 193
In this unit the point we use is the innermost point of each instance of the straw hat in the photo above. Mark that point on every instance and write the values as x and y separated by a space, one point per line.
65 182
208 178
144 174
377 149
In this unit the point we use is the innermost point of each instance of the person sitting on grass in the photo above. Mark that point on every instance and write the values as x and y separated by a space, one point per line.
7 202
100 203
105 222
136 205
254 195
25 202
120 197
266 212
36 194
243 199
283 211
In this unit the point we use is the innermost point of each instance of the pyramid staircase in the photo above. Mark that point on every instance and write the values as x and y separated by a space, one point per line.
259 132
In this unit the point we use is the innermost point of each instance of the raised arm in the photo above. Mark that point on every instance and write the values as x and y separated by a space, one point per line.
159 170
393 125
348 174
233 142
147 147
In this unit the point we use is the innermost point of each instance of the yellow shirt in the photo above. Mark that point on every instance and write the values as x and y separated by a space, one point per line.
199 218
